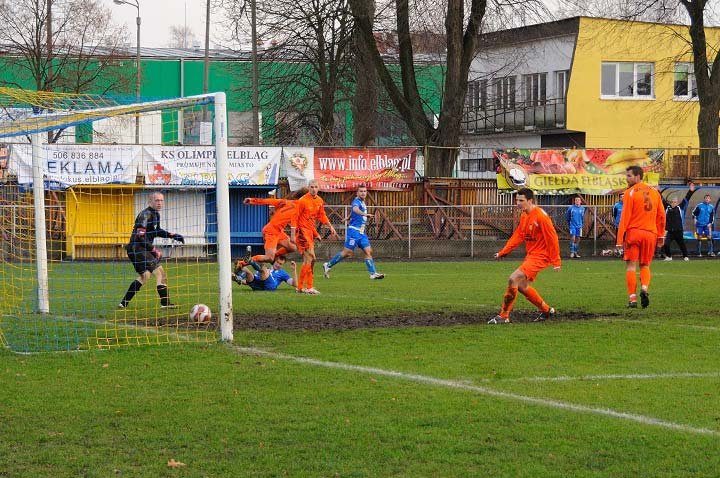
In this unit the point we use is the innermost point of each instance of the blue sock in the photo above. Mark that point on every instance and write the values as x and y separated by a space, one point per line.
337 258
370 264
255 265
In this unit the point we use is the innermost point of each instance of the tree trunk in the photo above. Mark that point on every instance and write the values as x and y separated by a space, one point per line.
365 101
708 123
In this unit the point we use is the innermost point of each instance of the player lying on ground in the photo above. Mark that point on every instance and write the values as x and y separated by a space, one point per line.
265 278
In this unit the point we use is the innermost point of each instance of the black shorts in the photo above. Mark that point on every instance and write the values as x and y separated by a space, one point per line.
142 260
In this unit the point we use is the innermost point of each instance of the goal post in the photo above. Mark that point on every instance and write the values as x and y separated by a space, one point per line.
68 205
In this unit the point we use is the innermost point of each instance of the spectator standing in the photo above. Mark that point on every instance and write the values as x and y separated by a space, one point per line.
674 224
704 214
575 218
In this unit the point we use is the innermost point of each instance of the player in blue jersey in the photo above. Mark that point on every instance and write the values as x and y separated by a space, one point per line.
616 214
704 215
576 219
356 237
266 279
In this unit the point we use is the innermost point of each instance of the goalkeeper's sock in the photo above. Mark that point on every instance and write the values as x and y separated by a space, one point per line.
645 277
370 264
534 297
253 263
162 290
508 301
132 290
631 282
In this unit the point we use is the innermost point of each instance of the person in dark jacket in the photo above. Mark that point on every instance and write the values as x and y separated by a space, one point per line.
144 256
674 224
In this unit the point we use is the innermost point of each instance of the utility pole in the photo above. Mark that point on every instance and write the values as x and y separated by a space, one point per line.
255 95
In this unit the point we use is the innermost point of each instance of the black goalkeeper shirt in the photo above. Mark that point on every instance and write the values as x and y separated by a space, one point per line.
146 229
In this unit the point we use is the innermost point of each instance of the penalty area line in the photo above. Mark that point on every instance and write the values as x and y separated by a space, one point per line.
556 404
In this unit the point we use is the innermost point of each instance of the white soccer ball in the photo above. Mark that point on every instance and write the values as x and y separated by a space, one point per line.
200 313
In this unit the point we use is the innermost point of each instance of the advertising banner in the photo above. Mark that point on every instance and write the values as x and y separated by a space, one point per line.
66 165
195 165
571 171
384 169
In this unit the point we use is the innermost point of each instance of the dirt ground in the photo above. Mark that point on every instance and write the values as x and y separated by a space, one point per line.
317 323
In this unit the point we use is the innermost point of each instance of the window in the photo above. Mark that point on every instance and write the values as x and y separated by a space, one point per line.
474 165
561 84
505 93
476 94
535 88
627 80
685 86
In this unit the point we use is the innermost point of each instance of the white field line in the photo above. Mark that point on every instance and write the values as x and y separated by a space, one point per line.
642 419
631 376
655 322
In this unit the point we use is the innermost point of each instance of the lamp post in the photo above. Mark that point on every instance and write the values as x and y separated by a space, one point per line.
136 4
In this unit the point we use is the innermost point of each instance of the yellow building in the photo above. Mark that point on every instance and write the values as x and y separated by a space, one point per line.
583 82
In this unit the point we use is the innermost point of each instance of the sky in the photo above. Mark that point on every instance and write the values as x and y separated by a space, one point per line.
157 16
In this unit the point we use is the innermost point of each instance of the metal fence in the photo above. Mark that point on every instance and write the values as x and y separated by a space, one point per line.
414 232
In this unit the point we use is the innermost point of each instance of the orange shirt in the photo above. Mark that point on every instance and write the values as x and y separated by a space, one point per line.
311 209
642 209
285 211
541 240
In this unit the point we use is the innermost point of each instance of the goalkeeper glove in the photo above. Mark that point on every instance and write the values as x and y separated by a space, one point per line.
156 252
179 238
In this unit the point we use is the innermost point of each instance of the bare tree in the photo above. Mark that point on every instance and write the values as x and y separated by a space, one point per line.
461 36
304 63
67 46
182 36
707 75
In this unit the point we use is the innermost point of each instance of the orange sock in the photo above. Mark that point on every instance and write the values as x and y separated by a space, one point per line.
508 301
303 274
631 282
645 277
534 298
281 252
259 258
309 278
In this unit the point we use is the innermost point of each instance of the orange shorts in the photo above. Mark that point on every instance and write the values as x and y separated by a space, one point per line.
305 239
272 236
531 266
639 246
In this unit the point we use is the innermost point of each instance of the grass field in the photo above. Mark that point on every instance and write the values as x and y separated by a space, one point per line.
622 393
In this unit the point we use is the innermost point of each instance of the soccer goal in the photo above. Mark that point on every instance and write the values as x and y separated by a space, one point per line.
77 174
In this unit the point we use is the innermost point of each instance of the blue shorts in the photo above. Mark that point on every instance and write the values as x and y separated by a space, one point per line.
267 284
355 238
576 231
703 231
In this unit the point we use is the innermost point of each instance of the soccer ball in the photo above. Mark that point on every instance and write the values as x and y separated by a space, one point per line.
200 313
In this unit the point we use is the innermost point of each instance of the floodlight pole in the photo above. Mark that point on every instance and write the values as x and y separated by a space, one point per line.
136 4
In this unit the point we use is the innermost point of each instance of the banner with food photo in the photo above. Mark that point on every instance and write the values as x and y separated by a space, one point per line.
572 171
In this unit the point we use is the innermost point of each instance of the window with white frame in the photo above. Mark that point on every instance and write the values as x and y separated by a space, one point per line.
535 89
627 80
685 86
561 84
505 93
476 94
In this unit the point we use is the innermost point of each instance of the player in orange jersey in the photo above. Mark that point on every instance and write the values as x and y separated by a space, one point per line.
274 231
542 249
311 208
641 230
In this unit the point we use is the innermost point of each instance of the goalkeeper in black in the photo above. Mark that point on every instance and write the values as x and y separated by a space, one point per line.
144 256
